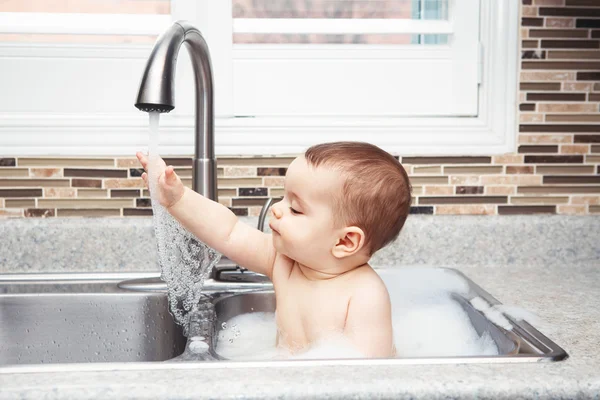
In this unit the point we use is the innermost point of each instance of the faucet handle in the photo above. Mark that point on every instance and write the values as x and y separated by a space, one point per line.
263 214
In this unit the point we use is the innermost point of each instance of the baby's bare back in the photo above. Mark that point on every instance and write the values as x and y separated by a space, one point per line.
312 310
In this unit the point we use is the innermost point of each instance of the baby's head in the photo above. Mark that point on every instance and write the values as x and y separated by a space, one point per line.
342 200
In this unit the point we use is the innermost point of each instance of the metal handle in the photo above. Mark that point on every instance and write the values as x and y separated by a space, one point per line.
263 214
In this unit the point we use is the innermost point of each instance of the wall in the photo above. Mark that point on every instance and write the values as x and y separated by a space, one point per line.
554 170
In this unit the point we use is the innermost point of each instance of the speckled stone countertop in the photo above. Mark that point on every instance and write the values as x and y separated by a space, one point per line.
547 265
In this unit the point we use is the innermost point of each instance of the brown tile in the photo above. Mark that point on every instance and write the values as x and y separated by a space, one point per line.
179 161
594 97
421 210
571 210
573 55
539 86
527 106
255 161
596 34
514 210
556 97
473 170
558 189
427 170
586 139
260 191
538 149
84 203
428 180
500 190
19 203
143 203
553 159
60 192
240 212
597 86
574 148
87 212
469 190
558 33
564 169
508 159
571 179
124 193
137 212
569 12
475 209
526 2
40 212
529 44
528 21
583 3
588 23
549 2
463 200
20 192
92 193
519 169
8 162
95 173
447 160
570 44
86 183
34 182
239 171
539 200
13 172
562 65
596 148
573 117
595 209
271 171
65 162
124 183
588 76
566 107
590 200
533 54
237 182
46 172
248 202
439 190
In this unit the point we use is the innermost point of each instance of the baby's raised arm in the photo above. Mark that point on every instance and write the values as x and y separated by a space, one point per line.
212 222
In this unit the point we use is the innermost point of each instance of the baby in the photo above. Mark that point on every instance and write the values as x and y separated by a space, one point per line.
342 202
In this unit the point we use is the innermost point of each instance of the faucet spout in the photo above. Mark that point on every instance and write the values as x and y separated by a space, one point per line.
157 91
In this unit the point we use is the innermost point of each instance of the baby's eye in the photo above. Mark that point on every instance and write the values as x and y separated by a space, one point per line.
294 211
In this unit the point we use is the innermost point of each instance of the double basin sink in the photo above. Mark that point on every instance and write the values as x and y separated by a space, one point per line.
109 318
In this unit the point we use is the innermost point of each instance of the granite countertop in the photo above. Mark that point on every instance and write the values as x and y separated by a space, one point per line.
566 298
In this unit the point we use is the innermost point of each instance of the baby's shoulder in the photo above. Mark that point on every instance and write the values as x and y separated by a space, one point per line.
365 279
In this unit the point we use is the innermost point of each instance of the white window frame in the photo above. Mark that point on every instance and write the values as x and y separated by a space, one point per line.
492 131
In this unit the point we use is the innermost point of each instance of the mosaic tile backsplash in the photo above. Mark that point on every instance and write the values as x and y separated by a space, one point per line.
554 170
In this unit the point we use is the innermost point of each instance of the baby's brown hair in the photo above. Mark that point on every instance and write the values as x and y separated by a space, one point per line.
376 193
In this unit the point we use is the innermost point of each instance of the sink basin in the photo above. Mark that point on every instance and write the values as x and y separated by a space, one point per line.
112 320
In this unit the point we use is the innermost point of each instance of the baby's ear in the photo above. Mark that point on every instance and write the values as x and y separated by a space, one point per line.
350 241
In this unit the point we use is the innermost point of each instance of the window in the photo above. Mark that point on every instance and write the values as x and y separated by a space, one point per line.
413 76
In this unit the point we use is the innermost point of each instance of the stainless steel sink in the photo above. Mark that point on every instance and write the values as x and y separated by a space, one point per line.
111 321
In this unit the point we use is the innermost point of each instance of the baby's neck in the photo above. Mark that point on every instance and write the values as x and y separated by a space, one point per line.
317 275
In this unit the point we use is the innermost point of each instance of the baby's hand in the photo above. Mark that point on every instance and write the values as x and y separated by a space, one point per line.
170 187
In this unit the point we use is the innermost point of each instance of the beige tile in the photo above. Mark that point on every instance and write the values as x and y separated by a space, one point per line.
276 192
255 161
529 11
13 172
46 172
500 190
465 180
549 2
439 190
85 203
564 169
227 192
239 171
1 203
427 170
512 180
73 212
417 190
237 182
567 107
595 209
558 189
273 181
124 183
574 149
473 170
538 200
249 202
589 200
472 209
428 180
11 212
545 139
560 22
571 210
531 117
184 172
19 203
539 76
92 193
34 182
576 87
60 192
226 202
130 162
65 162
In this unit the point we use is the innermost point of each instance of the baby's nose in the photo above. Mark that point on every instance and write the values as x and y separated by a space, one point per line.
276 212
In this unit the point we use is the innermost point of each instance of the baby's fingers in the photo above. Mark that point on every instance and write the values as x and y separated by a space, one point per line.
142 159
145 178
170 176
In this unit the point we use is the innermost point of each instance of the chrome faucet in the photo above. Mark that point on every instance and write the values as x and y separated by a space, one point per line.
157 94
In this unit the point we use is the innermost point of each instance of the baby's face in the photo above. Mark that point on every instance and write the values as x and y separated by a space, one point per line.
303 221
